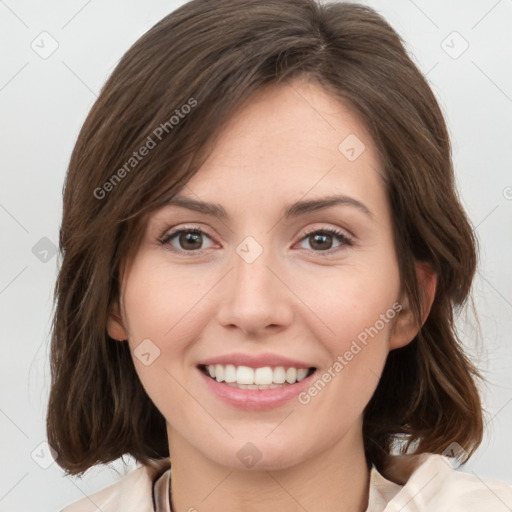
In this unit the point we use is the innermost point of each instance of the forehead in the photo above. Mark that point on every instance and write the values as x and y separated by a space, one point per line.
293 120
287 141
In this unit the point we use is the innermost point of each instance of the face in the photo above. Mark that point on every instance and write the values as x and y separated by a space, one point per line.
302 303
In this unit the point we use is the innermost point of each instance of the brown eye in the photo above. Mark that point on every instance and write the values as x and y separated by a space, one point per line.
185 240
191 241
321 240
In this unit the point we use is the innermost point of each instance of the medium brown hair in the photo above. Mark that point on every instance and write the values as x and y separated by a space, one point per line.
216 53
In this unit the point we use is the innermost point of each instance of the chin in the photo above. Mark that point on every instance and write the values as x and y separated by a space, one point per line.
259 453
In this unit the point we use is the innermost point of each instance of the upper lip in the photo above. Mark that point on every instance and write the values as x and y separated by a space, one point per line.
255 361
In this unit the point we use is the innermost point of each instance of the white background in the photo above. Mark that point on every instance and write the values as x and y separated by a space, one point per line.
45 101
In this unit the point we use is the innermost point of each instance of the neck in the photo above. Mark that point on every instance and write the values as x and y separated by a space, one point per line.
334 480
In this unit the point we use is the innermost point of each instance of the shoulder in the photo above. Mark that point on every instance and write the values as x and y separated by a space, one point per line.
133 492
432 484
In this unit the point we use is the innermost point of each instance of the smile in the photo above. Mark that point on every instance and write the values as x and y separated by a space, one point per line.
265 377
255 389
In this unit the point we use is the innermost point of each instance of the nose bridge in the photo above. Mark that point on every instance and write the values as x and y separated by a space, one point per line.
252 261
255 298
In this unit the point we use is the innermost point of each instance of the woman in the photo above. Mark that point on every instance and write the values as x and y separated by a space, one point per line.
306 335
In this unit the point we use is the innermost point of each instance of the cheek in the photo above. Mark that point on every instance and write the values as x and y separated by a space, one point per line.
162 303
161 320
357 355
357 307
349 301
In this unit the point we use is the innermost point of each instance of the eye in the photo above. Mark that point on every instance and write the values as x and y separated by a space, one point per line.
188 239
321 240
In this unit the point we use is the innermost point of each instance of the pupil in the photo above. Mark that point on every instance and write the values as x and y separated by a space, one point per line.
321 237
191 238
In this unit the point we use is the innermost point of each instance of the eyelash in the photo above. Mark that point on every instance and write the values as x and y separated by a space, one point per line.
342 237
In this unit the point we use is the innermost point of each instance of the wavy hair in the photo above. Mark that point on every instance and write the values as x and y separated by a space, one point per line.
217 53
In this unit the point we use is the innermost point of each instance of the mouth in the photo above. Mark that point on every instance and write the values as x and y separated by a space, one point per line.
261 378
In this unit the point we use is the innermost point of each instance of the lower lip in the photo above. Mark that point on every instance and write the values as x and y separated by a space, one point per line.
255 399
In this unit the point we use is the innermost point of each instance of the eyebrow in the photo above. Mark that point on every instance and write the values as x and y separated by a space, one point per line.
292 210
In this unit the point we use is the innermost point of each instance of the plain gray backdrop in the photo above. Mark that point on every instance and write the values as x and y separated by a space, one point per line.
55 58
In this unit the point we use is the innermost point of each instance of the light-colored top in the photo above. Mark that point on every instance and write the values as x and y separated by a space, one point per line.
430 484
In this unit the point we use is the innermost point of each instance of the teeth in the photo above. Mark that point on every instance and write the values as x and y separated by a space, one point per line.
301 374
291 375
244 375
229 373
219 372
265 377
279 375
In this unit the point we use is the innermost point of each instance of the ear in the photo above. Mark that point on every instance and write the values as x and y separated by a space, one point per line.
115 326
405 327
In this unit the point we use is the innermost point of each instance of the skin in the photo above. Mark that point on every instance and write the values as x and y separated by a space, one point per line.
293 300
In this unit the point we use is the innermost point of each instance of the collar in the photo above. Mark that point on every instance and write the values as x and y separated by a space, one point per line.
416 483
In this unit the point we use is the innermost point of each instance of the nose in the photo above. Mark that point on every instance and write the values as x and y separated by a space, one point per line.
255 297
